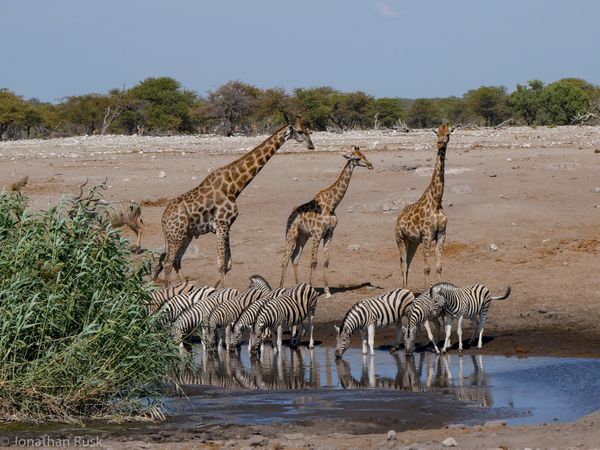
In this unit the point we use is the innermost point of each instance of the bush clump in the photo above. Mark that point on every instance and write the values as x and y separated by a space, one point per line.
75 341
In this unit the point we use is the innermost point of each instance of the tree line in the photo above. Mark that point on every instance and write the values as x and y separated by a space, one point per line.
160 106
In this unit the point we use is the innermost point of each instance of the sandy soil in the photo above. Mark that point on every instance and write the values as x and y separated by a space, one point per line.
533 193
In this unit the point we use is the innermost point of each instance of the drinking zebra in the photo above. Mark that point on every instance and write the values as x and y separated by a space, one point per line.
422 310
224 315
471 302
248 316
381 311
286 310
195 316
176 305
160 297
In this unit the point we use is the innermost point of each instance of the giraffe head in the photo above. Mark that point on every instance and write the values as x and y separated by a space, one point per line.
443 134
356 158
299 132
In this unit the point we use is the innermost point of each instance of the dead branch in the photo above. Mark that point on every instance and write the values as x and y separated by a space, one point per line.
18 186
502 124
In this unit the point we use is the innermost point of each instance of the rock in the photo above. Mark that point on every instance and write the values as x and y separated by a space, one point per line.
493 247
597 190
493 175
543 310
295 178
450 204
597 150
509 159
460 426
494 423
162 174
462 189
125 180
450 442
293 436
354 247
391 435
386 206
257 440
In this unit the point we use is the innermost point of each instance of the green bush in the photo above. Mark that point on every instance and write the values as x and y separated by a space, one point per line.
75 341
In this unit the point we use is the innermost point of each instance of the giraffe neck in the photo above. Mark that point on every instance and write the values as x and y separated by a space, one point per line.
333 195
436 187
252 162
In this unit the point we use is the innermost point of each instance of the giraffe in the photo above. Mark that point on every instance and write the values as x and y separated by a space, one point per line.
425 221
211 206
317 219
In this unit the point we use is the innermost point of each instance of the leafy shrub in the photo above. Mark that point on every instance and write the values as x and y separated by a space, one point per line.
75 341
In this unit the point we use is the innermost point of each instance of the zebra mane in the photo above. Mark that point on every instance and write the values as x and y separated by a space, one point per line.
260 280
439 287
345 319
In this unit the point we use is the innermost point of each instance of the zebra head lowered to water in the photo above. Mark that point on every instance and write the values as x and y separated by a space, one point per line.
381 311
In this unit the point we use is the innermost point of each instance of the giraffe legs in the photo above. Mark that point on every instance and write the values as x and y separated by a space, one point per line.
300 243
138 232
291 237
174 253
439 244
313 254
223 253
326 242
426 266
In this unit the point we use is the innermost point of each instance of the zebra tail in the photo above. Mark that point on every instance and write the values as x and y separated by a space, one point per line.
502 297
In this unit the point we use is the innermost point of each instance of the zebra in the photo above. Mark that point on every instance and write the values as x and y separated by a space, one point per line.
224 315
160 297
381 311
471 302
285 311
248 317
422 310
178 304
195 316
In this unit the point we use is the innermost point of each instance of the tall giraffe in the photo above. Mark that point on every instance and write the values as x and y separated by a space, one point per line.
425 221
317 219
211 206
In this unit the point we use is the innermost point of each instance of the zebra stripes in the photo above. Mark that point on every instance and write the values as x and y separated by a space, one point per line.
160 297
176 305
471 302
195 316
422 310
223 315
285 311
248 316
381 311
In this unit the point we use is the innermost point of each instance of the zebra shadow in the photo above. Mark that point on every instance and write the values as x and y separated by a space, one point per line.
348 288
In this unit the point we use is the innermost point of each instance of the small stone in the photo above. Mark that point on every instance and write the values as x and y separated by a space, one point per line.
597 190
509 159
386 206
596 205
391 435
493 247
460 426
162 174
493 175
293 436
295 179
450 442
543 310
354 247
257 440
597 150
450 204
125 180
494 423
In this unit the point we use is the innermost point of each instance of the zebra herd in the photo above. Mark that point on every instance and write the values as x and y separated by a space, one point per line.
221 316
442 301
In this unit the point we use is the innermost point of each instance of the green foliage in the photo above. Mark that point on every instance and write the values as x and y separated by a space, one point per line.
352 110
561 101
232 106
13 111
423 113
75 340
488 104
162 105
388 111
315 105
525 101
84 112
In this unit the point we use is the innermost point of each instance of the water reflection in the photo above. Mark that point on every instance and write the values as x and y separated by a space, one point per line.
461 376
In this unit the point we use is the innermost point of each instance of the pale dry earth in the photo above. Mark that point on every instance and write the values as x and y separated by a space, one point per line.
532 192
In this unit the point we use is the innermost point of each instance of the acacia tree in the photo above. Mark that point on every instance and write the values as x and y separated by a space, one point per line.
387 111
232 105
488 103
13 113
525 102
423 113
561 102
315 105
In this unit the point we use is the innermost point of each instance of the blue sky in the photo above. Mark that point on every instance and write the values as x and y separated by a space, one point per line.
394 48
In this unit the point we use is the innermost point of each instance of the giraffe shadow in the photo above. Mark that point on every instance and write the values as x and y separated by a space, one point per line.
348 288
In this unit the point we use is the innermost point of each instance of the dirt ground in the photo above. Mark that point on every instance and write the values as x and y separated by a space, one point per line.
532 193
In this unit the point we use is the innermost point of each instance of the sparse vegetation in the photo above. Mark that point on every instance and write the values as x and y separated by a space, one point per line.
75 341
162 106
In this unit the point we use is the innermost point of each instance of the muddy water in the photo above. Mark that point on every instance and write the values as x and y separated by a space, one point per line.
425 389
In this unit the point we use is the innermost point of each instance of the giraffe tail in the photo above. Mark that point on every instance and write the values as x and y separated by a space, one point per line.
502 297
